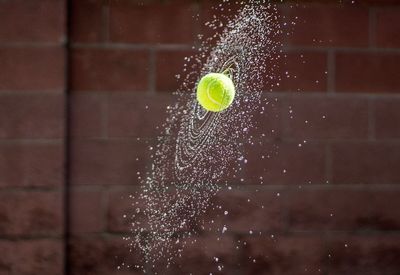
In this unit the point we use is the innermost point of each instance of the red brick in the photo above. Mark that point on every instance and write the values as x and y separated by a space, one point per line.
169 65
285 163
328 25
87 211
121 209
217 13
32 69
387 117
361 255
30 213
31 165
367 72
26 257
267 119
168 23
246 211
199 257
387 27
32 21
101 256
31 116
137 115
355 210
109 70
107 162
305 72
87 21
365 163
88 115
325 117
283 255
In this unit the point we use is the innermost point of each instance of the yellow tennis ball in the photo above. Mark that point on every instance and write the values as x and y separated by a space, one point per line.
215 92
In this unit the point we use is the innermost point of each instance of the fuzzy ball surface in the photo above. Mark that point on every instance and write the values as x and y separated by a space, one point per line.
215 92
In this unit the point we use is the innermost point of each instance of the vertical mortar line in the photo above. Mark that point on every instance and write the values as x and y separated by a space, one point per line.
105 192
331 69
105 21
67 135
328 162
105 103
152 77
371 119
283 109
371 27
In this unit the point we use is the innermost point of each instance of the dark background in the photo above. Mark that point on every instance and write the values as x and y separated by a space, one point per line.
74 128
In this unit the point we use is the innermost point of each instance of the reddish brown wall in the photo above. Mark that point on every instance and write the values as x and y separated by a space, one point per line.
32 94
123 56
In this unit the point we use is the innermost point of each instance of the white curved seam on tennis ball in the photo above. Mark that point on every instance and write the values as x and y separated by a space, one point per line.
208 93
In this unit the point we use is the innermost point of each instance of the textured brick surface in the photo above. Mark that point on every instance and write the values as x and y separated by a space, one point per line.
365 163
380 69
108 162
303 72
285 163
109 70
31 116
137 115
87 21
325 117
170 69
386 115
28 257
341 209
338 25
28 165
87 211
317 192
128 20
88 114
30 213
38 21
31 69
386 28
99 256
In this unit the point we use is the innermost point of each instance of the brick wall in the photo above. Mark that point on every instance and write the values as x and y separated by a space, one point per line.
333 211
32 95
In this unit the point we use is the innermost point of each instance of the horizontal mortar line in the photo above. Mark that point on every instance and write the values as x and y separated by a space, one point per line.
38 237
103 187
318 141
102 234
133 93
127 46
267 141
31 189
347 233
287 93
32 44
329 187
243 187
365 49
278 233
324 94
292 187
139 139
31 141
55 92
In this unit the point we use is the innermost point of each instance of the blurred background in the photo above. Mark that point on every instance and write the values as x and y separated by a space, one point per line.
85 83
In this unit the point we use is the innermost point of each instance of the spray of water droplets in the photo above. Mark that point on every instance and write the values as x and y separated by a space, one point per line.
199 149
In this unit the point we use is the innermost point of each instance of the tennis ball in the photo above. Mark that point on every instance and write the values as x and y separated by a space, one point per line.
215 92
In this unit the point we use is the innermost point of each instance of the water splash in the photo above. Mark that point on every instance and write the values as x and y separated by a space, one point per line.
199 150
